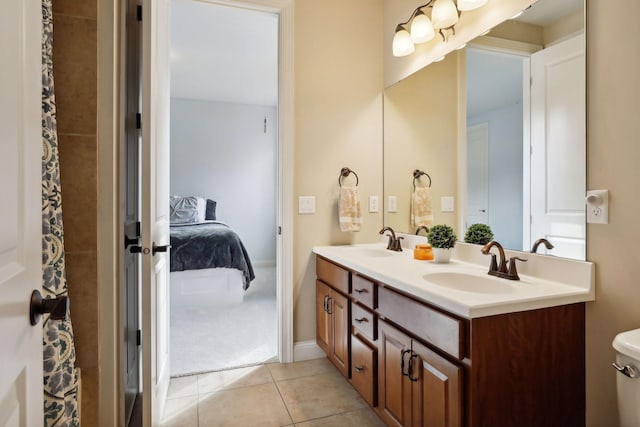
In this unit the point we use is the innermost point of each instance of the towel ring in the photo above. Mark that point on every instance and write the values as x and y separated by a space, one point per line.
344 172
417 174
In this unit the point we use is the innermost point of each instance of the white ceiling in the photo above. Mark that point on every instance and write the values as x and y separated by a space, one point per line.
545 12
221 53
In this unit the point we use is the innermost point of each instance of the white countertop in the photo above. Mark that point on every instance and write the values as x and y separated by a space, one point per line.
544 281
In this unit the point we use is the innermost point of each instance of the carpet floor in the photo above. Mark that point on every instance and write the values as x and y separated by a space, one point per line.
205 339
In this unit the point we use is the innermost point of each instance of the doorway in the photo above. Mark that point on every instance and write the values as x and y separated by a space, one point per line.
224 145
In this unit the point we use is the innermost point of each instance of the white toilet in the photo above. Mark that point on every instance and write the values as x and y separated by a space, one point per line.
627 345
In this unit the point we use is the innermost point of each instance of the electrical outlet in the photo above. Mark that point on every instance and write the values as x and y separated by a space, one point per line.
392 204
374 204
597 202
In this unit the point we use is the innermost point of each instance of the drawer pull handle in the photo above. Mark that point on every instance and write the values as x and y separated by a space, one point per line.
362 319
359 369
362 291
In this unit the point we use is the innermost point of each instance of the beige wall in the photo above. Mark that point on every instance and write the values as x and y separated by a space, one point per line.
421 132
338 122
613 153
75 74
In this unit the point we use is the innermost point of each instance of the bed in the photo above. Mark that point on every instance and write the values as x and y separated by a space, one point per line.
199 241
210 244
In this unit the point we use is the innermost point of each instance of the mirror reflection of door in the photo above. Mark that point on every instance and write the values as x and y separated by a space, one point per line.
477 174
495 122
558 172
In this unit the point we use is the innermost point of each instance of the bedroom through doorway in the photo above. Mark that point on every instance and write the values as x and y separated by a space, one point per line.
223 185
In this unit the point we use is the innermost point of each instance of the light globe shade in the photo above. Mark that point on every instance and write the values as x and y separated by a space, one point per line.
402 43
444 14
421 29
464 5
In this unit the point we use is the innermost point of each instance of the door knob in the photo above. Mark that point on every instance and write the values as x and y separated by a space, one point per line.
58 307
163 248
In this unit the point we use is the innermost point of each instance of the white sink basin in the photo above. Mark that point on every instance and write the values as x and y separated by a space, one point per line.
471 283
372 252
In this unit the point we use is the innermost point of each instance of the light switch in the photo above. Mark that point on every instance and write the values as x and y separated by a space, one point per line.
446 204
374 204
307 204
392 204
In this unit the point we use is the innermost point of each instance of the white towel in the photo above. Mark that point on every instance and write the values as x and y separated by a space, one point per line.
421 213
349 214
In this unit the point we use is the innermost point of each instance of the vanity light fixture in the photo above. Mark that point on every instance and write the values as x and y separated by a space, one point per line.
444 16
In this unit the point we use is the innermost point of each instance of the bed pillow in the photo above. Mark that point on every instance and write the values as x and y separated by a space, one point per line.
210 212
186 210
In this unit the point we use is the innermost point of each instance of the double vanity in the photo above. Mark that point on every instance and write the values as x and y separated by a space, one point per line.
430 344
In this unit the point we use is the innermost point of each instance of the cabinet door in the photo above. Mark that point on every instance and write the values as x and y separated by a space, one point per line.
394 389
339 312
437 389
323 320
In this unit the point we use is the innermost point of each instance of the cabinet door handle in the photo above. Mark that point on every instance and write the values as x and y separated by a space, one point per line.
329 299
406 374
362 291
324 304
362 319
410 370
359 369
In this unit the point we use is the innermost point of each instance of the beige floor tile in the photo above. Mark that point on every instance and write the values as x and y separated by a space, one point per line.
183 387
360 418
319 396
287 371
234 378
181 412
259 405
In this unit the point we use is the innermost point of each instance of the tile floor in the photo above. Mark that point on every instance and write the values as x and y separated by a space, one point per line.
306 394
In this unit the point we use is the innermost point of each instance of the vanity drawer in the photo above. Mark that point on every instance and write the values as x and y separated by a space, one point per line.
362 290
428 324
363 367
332 275
363 321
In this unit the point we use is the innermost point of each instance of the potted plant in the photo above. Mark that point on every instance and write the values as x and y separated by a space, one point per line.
479 234
442 239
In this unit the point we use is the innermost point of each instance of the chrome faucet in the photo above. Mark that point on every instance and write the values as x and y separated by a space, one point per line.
394 242
422 227
501 270
546 243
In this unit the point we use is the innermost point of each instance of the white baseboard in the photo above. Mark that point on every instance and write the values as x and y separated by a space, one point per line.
307 350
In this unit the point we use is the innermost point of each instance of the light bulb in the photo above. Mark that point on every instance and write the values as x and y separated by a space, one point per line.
421 28
402 43
444 14
464 5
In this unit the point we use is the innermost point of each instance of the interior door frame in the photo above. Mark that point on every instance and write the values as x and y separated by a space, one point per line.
110 231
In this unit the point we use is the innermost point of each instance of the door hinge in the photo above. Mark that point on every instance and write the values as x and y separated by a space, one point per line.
279 230
138 121
530 81
139 12
138 337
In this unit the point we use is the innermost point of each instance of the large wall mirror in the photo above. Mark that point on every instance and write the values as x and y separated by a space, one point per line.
499 127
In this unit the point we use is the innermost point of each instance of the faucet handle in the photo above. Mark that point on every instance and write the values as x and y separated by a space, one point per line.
398 244
513 272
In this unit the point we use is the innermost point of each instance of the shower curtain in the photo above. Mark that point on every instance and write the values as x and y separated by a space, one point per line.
60 375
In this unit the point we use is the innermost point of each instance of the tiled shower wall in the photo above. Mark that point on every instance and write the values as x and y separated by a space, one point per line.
75 74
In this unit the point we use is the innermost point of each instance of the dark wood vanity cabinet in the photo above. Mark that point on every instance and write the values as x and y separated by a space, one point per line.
419 365
417 387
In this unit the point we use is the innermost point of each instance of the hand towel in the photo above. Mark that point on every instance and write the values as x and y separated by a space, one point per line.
349 214
421 213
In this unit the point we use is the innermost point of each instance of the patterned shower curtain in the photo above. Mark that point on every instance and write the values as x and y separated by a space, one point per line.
60 375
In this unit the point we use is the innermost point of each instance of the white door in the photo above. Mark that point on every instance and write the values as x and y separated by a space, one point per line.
21 396
477 174
155 207
558 142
